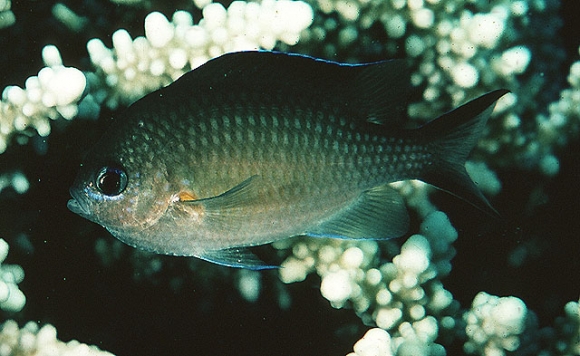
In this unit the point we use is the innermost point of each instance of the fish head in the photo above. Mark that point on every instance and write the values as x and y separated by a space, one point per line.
120 194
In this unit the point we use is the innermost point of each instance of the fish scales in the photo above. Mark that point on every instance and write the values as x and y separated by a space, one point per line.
244 151
290 163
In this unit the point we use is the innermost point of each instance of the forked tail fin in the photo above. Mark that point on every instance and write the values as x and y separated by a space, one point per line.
450 138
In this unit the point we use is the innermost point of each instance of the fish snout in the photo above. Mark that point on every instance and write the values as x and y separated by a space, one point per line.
77 204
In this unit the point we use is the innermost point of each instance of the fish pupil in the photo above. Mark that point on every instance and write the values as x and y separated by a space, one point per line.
111 180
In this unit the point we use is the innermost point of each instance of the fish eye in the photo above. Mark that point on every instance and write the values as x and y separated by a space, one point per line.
111 180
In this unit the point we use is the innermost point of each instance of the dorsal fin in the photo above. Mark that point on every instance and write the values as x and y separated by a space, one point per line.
375 92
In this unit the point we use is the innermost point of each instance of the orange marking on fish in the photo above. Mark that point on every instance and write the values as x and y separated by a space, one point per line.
187 196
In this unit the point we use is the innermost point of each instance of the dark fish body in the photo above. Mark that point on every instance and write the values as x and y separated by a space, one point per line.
254 147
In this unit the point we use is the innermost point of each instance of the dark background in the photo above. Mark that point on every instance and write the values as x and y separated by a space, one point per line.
68 286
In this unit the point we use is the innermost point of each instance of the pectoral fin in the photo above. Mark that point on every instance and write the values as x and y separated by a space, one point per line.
233 204
378 213
238 196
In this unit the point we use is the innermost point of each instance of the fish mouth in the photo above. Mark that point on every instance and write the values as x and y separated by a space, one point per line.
77 205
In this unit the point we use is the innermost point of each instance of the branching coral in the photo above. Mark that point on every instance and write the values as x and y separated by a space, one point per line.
133 68
34 341
460 50
6 15
404 297
376 342
54 93
500 326
494 324
15 180
11 297
562 123
568 330
407 300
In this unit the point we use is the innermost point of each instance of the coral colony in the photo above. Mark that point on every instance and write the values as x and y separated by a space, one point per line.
397 286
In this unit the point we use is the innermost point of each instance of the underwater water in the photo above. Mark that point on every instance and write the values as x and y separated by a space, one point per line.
100 292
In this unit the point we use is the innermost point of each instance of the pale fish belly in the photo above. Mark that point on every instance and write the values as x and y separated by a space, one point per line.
194 229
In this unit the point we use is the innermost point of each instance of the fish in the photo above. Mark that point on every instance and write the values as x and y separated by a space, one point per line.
254 147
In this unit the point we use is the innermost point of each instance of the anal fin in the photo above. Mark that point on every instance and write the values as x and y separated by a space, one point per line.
378 213
238 257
